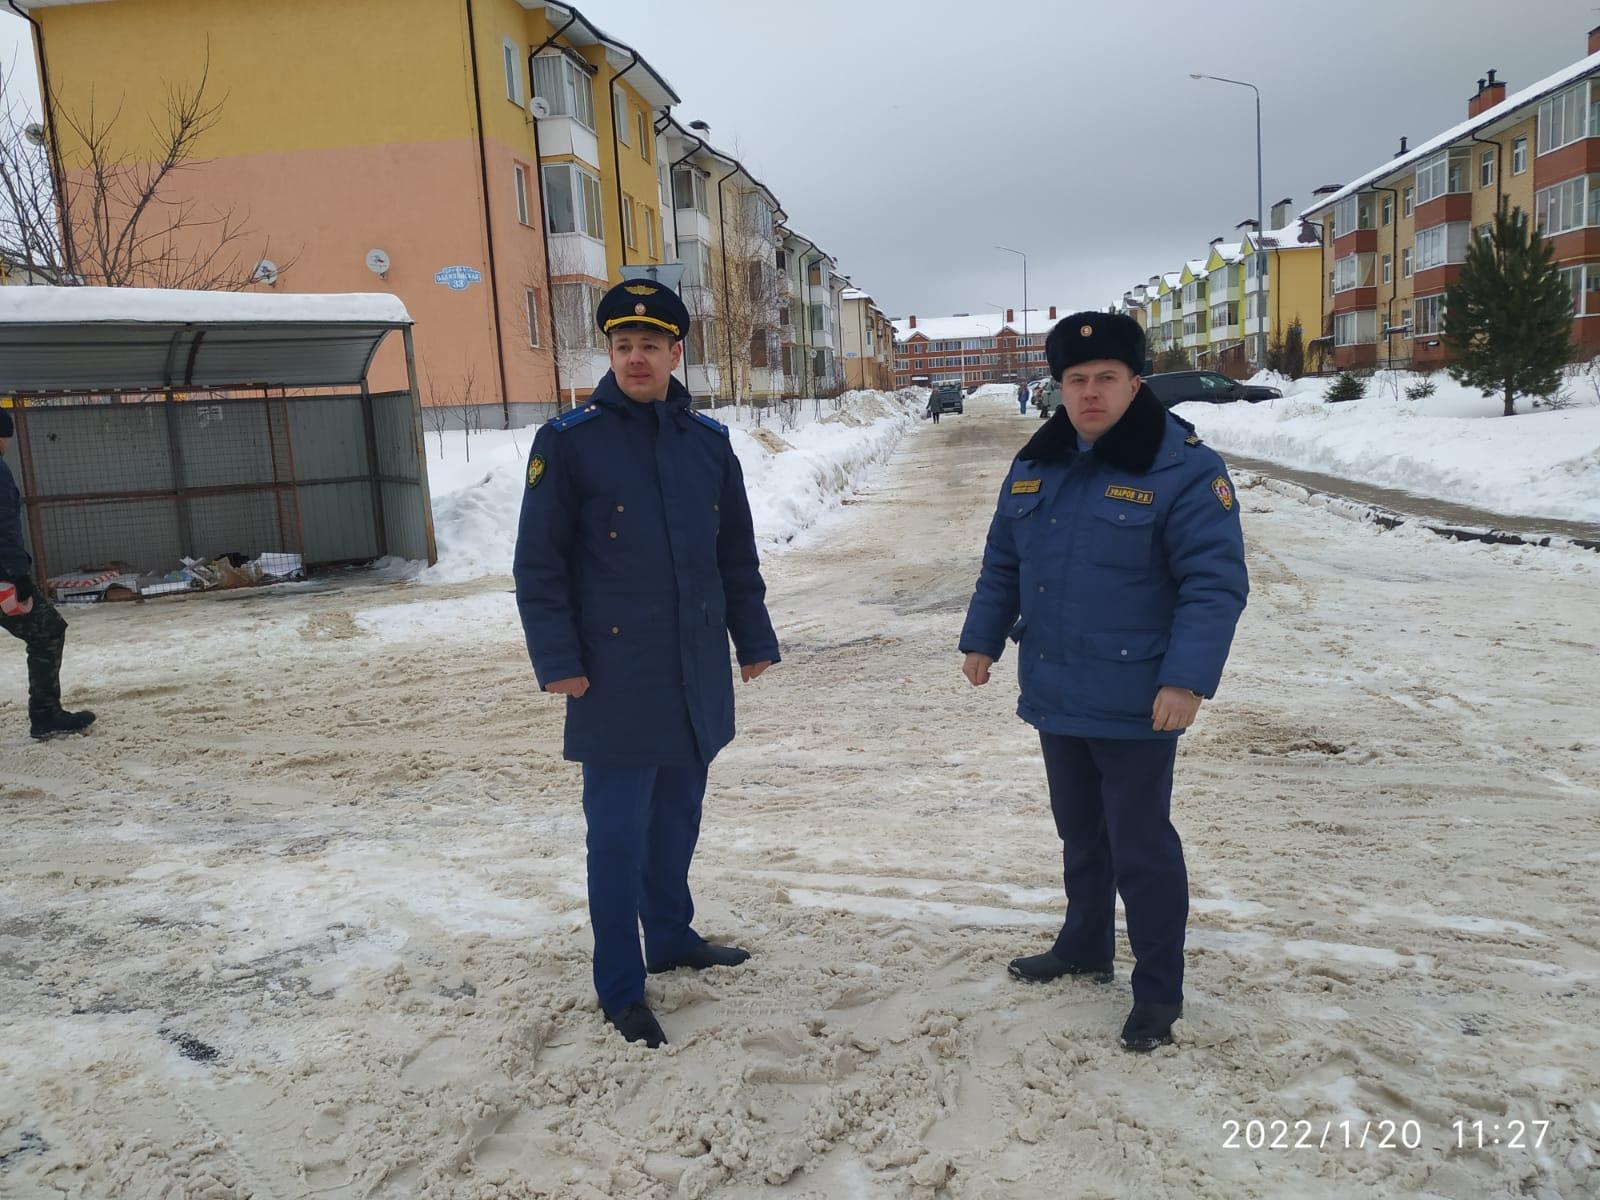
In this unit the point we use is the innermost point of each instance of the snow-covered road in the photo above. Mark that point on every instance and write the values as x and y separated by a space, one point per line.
305 915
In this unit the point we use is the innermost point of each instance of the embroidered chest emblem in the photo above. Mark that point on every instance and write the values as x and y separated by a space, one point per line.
1025 487
1223 493
1131 495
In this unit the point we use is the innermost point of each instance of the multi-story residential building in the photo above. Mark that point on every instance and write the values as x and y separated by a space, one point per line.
1223 311
1282 273
972 348
868 340
815 298
1395 238
442 191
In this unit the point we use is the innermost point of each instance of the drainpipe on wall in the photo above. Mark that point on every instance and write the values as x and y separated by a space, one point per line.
616 150
488 221
544 211
1394 274
58 176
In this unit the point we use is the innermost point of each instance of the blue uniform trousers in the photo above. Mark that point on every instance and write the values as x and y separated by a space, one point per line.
643 826
1112 800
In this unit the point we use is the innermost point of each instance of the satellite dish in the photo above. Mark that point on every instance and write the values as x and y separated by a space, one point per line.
538 107
266 272
34 133
378 262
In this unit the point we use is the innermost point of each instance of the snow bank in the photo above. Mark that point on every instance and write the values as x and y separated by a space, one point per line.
795 472
1453 445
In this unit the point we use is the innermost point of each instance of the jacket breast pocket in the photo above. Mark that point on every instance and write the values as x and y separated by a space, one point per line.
1123 538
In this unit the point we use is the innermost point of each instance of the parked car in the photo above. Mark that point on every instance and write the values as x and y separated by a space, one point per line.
946 398
1182 387
1046 396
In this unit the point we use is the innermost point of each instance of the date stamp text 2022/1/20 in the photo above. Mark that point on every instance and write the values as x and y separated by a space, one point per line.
1507 1133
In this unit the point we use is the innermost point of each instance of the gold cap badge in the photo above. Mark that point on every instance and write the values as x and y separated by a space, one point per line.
638 310
1087 331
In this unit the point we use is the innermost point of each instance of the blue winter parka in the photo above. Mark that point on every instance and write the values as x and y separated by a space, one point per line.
635 560
1125 564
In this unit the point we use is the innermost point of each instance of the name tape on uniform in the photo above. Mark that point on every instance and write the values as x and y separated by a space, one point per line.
1025 487
1131 495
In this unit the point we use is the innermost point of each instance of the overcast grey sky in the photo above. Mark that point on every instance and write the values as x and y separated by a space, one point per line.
908 138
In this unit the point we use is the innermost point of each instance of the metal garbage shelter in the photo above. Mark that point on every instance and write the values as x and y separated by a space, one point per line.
157 425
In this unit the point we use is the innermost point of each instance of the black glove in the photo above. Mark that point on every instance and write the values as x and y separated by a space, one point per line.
25 590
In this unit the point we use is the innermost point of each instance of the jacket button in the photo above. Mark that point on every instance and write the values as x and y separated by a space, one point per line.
1041 587
619 508
618 629
613 535
1124 653
1052 520
716 508
1120 516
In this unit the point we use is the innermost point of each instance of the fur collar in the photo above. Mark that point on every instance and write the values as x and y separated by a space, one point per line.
1130 445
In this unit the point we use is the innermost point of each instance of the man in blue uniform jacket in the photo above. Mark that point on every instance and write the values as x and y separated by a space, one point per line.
1117 543
635 560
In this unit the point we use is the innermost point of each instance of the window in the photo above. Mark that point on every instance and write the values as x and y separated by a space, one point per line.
520 174
619 115
816 318
1352 213
1388 269
1486 169
627 222
573 306
689 189
649 231
642 124
1355 328
530 304
1442 245
1571 204
565 86
1405 263
1584 282
1519 155
1225 314
1442 174
509 55
1565 118
1407 201
1429 317
1352 271
696 258
1388 208
574 199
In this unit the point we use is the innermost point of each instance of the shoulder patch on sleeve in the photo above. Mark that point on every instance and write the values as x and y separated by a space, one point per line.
709 422
1223 493
573 418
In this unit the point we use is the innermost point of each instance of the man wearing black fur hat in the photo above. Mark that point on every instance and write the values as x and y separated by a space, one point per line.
1116 561
27 614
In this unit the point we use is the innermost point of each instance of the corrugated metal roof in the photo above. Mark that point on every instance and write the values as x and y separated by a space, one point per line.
42 349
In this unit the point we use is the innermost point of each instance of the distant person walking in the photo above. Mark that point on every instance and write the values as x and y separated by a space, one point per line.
1022 399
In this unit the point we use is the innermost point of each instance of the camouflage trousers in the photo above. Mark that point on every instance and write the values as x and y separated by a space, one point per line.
44 632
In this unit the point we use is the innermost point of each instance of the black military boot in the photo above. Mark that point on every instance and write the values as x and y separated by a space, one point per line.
1042 968
58 723
637 1023
702 956
1149 1026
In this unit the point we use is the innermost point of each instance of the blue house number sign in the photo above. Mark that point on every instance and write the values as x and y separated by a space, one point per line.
458 279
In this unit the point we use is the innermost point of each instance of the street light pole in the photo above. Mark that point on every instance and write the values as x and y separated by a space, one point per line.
1261 227
1026 349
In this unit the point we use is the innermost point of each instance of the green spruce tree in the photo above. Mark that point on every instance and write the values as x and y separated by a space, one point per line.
1508 318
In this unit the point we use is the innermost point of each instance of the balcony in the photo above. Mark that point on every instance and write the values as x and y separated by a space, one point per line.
692 223
562 136
578 254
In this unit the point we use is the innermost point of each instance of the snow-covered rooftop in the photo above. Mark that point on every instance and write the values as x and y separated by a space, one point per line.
1489 116
977 325
75 305
1299 235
